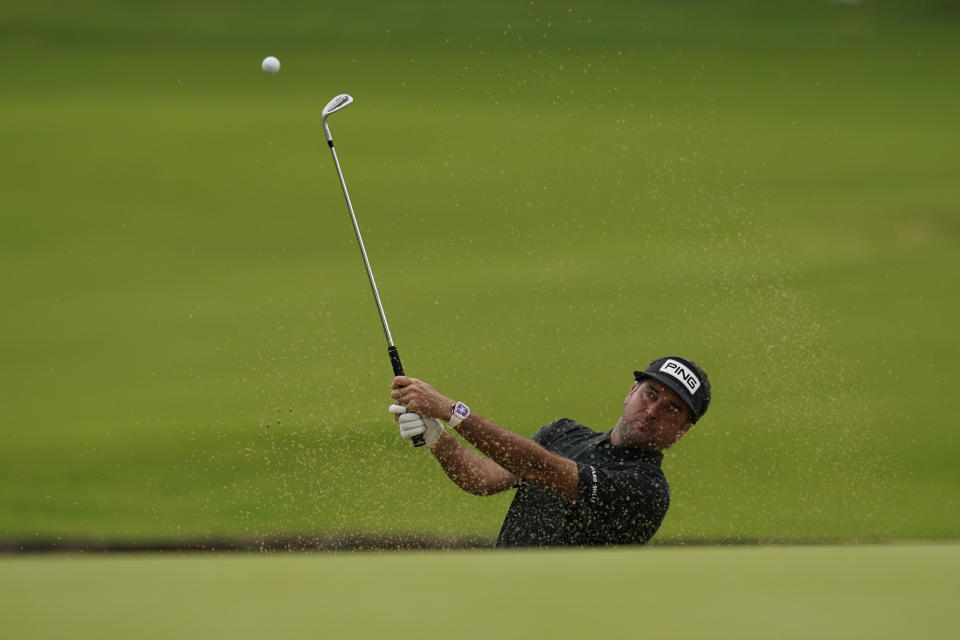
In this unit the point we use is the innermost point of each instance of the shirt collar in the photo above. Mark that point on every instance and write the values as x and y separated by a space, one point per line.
631 454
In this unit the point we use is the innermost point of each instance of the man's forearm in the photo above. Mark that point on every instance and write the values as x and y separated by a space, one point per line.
469 470
522 456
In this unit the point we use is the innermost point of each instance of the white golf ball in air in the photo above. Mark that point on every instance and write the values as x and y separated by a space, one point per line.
270 65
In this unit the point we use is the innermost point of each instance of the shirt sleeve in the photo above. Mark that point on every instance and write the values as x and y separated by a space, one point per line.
624 504
546 435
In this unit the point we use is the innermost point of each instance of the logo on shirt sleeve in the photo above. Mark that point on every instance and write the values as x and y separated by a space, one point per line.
596 484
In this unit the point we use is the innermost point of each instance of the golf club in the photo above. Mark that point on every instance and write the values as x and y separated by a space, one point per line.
339 102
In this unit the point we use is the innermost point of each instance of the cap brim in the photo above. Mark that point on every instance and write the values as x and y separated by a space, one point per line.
672 384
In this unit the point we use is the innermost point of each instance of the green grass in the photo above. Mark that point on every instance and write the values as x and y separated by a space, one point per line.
745 592
552 195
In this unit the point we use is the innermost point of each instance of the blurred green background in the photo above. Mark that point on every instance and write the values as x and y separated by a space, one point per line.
552 194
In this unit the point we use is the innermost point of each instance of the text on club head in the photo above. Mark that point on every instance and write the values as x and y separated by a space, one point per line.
337 103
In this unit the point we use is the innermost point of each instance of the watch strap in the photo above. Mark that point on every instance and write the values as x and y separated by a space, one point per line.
460 413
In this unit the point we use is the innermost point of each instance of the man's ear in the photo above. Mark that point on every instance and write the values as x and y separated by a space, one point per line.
630 393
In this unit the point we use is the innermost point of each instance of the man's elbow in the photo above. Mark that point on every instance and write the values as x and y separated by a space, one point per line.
483 492
492 486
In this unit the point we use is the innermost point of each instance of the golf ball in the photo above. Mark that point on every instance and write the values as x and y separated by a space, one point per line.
270 65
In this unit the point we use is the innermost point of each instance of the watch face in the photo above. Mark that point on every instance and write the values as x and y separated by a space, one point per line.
461 410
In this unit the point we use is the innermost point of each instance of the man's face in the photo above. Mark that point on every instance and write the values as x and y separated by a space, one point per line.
654 417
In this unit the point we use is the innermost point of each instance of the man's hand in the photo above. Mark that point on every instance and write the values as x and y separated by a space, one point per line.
419 397
412 424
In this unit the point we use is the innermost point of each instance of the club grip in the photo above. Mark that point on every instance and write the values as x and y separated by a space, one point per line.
395 360
418 441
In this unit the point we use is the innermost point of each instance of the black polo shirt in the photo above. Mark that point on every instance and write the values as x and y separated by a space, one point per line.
624 495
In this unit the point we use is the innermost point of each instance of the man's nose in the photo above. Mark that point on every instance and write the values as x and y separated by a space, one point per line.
654 409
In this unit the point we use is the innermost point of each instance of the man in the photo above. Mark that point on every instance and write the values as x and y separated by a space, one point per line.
575 486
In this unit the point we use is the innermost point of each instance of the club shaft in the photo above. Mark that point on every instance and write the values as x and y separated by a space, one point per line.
418 440
363 249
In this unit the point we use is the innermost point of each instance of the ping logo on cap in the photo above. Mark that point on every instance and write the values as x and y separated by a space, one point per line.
682 373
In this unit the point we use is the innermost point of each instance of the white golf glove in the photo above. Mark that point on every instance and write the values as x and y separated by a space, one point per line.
412 424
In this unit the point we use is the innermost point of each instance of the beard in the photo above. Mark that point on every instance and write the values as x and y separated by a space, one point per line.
640 434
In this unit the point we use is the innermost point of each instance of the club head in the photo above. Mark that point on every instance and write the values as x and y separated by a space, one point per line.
336 104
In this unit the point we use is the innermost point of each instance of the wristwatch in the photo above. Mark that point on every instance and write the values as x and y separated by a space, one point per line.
460 413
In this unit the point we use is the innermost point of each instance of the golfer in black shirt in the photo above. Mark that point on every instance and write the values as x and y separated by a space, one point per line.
575 486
